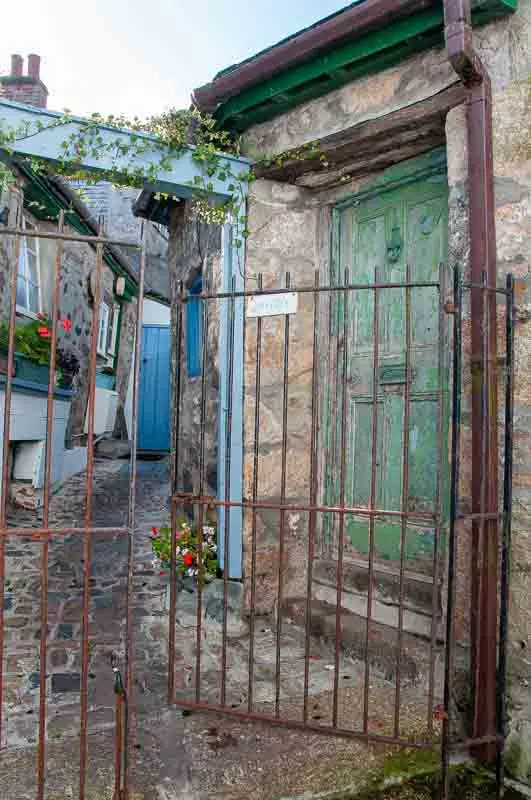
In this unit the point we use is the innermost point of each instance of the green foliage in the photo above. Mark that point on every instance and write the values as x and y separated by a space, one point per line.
171 134
188 542
6 176
466 782
33 340
28 341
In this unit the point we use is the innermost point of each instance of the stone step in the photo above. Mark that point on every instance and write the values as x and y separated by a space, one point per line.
417 594
382 651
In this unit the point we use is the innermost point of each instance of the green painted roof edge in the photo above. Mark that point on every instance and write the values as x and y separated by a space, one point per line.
375 51
232 67
44 201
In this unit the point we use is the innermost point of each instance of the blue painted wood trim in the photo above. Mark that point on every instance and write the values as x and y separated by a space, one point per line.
42 133
21 386
232 266
194 330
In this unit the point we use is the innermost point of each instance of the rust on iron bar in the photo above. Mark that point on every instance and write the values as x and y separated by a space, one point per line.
305 726
36 233
180 498
334 288
37 533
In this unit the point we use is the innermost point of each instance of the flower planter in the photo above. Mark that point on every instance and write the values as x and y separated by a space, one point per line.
27 370
4 364
104 381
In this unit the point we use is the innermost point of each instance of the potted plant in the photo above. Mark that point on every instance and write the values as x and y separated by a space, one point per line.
189 567
32 352
67 368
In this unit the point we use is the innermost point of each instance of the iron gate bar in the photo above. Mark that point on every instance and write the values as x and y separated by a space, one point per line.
485 287
478 530
131 521
342 342
506 533
226 520
37 233
477 517
374 446
436 565
5 458
46 514
258 378
87 539
452 537
327 730
405 500
363 511
282 531
333 288
175 483
200 576
43 533
312 519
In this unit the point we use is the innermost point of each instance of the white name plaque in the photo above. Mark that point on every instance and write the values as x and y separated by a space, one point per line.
272 305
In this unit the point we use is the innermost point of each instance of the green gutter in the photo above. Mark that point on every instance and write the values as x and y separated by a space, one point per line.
374 52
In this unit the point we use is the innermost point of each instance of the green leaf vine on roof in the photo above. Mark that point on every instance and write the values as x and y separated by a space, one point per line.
170 134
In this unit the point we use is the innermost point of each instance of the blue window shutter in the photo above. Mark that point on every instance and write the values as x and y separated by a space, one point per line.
194 330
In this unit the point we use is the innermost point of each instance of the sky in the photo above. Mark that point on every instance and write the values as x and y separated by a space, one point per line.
140 57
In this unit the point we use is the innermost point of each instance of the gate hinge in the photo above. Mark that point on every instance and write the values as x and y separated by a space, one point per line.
450 307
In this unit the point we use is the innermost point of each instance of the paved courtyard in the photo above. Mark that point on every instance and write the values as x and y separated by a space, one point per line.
172 755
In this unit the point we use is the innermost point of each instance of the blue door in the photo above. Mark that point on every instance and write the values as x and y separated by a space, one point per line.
154 397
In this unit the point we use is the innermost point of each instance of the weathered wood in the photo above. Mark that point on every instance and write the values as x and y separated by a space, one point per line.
372 139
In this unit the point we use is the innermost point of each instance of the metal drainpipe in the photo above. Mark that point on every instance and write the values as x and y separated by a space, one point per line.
468 66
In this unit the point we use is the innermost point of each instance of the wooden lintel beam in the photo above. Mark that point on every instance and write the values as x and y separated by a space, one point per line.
339 148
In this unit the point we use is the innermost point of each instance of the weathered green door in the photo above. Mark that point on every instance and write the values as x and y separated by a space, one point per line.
378 237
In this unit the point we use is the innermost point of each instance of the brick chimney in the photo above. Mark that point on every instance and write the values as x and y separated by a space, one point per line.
27 89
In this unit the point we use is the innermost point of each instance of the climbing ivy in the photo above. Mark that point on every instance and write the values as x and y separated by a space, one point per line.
169 135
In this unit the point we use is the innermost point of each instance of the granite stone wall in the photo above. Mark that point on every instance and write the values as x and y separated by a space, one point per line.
194 250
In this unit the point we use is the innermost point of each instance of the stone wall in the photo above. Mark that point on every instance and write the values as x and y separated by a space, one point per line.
194 250
286 223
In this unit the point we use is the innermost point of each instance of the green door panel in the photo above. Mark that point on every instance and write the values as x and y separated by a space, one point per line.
378 238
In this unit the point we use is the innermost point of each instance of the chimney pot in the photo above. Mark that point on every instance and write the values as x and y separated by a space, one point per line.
17 64
34 65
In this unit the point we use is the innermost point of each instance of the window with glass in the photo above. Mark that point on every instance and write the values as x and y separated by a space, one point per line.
108 329
28 283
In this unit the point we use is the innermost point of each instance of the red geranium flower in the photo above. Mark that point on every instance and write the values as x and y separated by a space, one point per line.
67 324
188 560
154 532
44 332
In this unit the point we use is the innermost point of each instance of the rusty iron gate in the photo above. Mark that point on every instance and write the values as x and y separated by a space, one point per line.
307 628
295 641
44 530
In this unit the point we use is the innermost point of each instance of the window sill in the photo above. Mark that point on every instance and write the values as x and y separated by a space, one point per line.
24 312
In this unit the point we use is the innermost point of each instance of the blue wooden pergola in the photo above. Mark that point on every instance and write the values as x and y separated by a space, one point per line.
40 133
